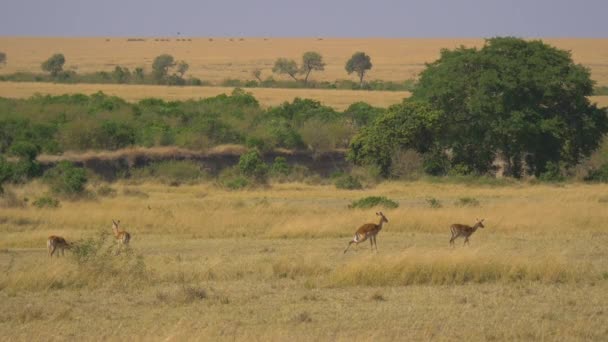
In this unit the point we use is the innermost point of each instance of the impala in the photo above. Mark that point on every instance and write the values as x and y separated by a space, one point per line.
122 237
368 230
54 242
465 231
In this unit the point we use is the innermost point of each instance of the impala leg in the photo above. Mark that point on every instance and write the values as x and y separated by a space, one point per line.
466 241
349 243
376 243
51 251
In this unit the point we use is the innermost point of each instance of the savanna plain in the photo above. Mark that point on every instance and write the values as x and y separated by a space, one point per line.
268 264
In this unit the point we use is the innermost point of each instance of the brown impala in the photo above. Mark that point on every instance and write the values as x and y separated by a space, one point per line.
368 230
54 242
465 231
122 237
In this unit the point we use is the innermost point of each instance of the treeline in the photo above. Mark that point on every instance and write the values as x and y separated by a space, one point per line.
168 71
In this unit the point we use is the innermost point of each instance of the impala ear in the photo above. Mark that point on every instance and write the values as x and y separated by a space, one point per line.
113 221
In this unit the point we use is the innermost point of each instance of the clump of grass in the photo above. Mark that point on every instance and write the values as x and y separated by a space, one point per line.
447 269
467 202
46 202
106 191
134 192
603 199
295 268
9 199
434 203
303 317
374 201
348 182
378 297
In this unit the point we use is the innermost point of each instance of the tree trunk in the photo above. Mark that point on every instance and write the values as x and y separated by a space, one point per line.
361 79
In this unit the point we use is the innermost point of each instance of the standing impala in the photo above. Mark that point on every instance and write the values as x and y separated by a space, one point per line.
122 237
368 230
54 242
465 231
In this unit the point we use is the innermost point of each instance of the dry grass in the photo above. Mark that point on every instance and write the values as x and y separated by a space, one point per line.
339 99
267 264
219 58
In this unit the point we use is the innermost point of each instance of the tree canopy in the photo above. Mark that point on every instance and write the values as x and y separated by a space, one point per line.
161 66
311 61
54 64
2 58
523 101
359 63
286 66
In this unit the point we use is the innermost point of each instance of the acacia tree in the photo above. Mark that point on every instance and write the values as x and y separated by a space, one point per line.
359 63
311 61
161 66
2 58
523 100
286 66
54 64
182 67
257 73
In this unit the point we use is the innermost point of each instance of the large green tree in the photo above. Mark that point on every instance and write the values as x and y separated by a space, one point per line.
524 101
286 66
161 66
359 63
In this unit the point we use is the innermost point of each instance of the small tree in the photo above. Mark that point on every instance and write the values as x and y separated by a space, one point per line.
2 58
311 61
359 63
66 179
54 64
182 67
161 65
139 74
286 66
121 75
257 73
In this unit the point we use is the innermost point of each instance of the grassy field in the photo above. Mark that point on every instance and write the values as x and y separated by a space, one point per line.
215 59
267 264
339 99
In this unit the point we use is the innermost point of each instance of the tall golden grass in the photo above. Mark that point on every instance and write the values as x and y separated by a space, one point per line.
267 263
217 58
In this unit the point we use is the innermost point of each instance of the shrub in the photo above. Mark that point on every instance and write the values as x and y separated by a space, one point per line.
598 175
348 182
66 179
106 191
434 203
46 202
180 171
552 173
252 166
374 201
467 202
280 167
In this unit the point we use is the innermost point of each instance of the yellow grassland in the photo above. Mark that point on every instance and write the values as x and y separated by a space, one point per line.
339 99
267 264
215 59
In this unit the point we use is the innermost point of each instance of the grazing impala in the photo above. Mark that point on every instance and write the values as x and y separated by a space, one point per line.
465 231
368 230
122 237
54 242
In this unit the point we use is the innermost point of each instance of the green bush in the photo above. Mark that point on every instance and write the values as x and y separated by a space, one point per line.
467 202
252 166
434 203
180 171
66 179
280 167
598 175
552 173
46 202
348 182
374 201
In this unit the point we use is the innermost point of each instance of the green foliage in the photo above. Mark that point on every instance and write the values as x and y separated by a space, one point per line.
280 167
348 182
598 175
409 125
106 191
359 63
66 179
46 202
552 173
54 65
161 66
374 201
252 166
286 66
311 61
523 99
121 75
362 114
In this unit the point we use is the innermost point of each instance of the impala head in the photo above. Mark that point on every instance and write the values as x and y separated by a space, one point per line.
115 224
384 219
480 223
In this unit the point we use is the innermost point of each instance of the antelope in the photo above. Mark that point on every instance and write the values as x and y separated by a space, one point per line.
465 231
368 230
122 237
54 242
